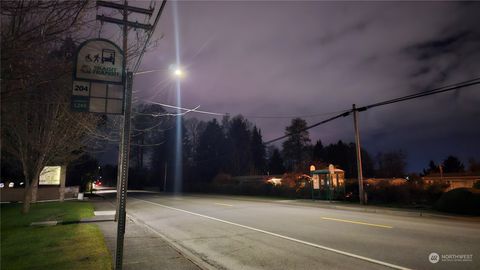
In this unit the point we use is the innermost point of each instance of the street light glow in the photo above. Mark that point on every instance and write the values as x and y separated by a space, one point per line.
178 72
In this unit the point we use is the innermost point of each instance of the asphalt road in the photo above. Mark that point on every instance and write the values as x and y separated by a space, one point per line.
233 233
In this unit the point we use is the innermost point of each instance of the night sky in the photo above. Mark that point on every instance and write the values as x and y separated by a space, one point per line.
271 61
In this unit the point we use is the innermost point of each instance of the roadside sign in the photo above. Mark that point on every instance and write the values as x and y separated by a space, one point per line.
79 103
99 60
98 78
50 175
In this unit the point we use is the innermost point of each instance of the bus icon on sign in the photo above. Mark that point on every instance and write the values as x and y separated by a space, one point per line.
108 56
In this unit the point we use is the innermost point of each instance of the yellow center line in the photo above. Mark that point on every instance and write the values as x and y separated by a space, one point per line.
357 222
224 204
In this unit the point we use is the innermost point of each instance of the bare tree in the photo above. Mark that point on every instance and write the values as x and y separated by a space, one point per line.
37 125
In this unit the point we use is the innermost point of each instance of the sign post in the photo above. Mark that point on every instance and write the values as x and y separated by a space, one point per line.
122 185
99 87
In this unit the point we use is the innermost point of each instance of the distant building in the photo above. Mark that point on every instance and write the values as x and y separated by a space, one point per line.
453 180
391 181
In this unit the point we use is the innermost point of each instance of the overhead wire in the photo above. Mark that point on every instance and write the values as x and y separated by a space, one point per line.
451 87
149 36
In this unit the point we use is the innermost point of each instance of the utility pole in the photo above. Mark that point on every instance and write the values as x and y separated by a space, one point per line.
359 155
124 151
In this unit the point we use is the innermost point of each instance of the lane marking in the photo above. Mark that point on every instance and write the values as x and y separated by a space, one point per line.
224 204
358 222
394 266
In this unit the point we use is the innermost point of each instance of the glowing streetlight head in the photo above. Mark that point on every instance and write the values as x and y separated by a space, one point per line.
177 71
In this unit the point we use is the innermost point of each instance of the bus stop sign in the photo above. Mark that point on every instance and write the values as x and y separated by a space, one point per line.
98 78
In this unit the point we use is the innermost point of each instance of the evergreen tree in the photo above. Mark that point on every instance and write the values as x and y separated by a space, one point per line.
258 152
210 152
432 168
238 138
318 151
452 165
275 163
391 164
294 148
473 166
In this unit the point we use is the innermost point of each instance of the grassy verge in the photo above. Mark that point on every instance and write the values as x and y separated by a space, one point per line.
70 246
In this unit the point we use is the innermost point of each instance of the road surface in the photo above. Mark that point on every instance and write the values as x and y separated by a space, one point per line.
235 233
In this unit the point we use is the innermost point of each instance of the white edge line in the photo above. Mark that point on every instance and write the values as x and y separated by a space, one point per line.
284 237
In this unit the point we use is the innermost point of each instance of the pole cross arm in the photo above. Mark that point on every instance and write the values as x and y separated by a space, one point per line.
121 22
121 7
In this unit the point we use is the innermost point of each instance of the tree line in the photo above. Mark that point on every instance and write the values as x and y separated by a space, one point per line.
235 146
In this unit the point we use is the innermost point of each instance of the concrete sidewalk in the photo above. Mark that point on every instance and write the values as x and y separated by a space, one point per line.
143 248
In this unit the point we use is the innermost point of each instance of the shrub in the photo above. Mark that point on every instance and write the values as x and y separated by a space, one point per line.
476 185
460 201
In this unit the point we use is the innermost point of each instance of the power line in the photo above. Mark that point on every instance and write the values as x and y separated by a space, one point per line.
293 116
438 90
149 35
187 109
456 86
312 126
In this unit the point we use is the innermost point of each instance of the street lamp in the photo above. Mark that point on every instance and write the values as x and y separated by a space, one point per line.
177 71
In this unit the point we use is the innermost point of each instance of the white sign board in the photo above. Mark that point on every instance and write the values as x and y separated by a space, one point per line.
50 175
98 78
99 60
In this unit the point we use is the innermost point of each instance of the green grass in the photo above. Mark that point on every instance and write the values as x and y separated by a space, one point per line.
69 246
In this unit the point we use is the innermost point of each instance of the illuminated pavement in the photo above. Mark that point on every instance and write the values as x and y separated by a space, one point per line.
232 233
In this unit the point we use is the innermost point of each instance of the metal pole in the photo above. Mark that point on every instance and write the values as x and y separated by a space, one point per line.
359 156
124 151
122 196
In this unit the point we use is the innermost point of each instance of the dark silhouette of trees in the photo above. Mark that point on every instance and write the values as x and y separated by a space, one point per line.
81 171
238 141
194 129
452 165
234 148
473 166
211 152
275 162
391 164
295 146
432 168
258 152
318 153
38 127
343 156
149 126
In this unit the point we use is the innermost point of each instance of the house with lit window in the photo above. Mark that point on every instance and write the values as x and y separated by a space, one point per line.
452 180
